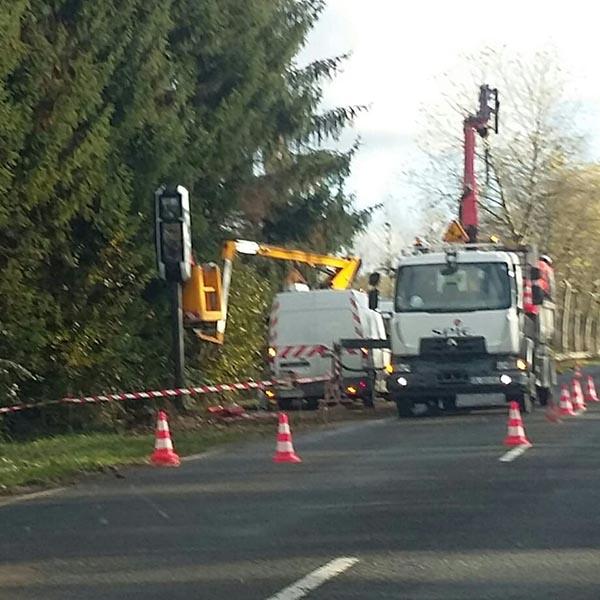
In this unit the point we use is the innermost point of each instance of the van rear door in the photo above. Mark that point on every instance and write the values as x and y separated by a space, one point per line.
306 325
300 343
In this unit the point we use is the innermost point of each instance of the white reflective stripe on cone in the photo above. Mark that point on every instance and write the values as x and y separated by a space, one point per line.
162 426
516 431
284 428
285 447
164 444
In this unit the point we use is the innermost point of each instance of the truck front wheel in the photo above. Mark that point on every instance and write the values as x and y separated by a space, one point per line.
525 400
311 403
449 403
405 407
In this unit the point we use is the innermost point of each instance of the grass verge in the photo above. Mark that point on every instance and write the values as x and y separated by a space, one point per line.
51 461
61 459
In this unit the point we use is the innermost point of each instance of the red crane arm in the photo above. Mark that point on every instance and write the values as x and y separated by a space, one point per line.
478 123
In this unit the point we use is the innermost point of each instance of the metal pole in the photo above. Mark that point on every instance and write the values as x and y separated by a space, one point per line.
389 258
373 377
587 336
566 317
597 336
577 326
178 350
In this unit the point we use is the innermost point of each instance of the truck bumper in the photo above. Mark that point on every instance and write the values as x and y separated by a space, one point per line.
354 387
437 384
306 390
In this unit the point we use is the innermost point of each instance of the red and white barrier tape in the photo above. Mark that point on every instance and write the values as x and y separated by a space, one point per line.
171 393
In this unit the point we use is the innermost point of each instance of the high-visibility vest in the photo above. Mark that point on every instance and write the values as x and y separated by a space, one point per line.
546 281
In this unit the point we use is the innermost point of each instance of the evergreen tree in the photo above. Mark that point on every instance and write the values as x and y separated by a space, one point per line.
101 102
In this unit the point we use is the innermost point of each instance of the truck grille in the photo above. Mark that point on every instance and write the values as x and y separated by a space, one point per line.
456 348
448 377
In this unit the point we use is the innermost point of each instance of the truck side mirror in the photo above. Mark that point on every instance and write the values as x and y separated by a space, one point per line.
537 295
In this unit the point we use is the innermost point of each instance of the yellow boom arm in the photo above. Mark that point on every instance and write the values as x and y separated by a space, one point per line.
206 294
344 269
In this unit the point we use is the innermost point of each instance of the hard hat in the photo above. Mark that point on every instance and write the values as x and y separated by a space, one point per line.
546 259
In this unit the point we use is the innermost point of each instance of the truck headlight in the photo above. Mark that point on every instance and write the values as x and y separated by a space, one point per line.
402 381
521 364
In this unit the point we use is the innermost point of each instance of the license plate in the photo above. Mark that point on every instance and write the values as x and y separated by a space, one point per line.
484 380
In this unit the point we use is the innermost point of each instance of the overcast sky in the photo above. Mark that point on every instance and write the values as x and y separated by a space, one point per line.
399 48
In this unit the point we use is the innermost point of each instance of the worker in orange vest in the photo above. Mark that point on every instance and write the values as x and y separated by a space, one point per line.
546 280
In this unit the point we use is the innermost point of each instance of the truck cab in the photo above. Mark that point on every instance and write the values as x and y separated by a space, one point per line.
459 327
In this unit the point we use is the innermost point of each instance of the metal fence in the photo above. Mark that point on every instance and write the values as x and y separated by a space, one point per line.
577 324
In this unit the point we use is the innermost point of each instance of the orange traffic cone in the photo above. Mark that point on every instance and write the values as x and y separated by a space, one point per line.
565 408
516 433
578 374
578 402
590 390
163 455
285 449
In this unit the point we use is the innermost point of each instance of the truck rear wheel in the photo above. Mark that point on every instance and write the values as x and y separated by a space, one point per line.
311 403
449 403
544 396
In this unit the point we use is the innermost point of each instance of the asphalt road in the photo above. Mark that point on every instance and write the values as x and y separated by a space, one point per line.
419 509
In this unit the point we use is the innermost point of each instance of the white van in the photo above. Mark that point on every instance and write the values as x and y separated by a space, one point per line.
303 329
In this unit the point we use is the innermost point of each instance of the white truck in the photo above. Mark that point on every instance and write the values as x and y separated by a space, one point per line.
303 328
460 327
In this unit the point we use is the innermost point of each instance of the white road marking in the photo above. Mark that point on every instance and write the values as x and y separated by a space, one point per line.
514 453
149 502
313 580
33 496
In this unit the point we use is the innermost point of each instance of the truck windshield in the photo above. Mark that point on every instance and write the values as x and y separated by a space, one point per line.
472 286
